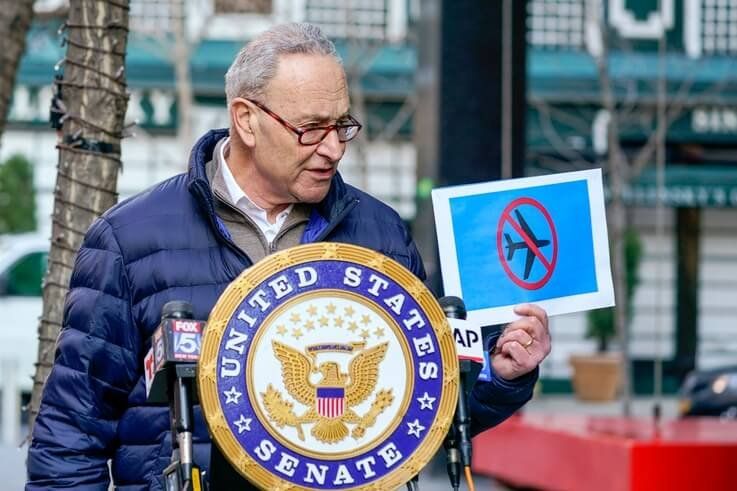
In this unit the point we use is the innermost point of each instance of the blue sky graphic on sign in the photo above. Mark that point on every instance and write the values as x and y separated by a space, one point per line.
524 245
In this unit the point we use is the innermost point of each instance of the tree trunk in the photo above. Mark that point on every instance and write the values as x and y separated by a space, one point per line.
94 92
15 18
618 177
180 54
618 222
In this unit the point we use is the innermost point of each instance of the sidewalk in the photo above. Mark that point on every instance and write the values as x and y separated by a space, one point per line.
13 466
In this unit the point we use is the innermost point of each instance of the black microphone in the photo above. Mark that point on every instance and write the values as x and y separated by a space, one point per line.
177 341
170 368
469 345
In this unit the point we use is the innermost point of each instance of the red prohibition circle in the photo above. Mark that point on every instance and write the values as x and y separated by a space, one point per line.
528 285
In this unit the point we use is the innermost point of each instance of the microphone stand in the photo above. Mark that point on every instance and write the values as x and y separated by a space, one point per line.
463 417
453 465
458 441
182 474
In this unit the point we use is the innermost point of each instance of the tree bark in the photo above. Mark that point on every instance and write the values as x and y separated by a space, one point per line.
180 55
619 174
618 225
15 19
94 93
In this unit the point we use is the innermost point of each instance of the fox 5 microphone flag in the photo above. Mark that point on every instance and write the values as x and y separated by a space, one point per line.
536 240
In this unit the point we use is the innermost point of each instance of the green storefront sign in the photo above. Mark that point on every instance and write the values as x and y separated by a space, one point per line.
688 186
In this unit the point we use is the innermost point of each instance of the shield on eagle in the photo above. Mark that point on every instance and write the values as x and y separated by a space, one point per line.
330 401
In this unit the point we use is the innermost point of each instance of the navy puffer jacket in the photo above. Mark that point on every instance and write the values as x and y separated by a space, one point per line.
168 244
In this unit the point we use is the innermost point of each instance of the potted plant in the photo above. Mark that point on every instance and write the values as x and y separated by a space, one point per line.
597 377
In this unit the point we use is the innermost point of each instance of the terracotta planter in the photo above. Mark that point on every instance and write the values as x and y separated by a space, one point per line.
596 377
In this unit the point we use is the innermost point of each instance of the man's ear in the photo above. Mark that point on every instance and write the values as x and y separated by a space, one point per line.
243 120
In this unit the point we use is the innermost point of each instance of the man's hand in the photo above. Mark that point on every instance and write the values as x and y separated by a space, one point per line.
523 345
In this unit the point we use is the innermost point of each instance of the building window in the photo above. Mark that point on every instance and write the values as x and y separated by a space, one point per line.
556 23
154 16
243 6
719 27
363 19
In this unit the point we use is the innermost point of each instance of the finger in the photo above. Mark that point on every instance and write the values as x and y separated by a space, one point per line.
519 335
524 358
531 324
517 353
533 310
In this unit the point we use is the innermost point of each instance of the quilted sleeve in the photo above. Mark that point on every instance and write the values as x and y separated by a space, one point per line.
494 401
95 368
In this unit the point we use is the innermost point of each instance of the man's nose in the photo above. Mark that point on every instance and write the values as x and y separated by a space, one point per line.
331 146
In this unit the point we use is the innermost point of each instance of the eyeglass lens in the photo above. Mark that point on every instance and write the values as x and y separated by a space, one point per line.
316 135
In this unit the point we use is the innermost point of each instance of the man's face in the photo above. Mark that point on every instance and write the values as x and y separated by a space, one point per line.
307 91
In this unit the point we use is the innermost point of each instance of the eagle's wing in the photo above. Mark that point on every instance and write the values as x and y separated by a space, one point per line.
364 372
295 370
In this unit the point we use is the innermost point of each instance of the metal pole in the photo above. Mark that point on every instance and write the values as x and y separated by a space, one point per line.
659 220
507 32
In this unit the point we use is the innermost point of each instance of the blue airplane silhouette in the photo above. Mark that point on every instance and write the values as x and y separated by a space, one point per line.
513 246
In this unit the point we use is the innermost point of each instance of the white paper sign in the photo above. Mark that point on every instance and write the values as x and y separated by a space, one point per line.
536 240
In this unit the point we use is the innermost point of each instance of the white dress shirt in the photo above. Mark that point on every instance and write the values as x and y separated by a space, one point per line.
241 200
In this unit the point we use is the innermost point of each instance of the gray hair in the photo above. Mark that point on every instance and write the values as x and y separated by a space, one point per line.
257 61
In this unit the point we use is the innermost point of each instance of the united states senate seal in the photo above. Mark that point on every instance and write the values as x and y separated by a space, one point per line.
328 366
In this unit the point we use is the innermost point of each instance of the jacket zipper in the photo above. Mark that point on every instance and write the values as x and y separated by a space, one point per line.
272 244
228 241
271 247
247 218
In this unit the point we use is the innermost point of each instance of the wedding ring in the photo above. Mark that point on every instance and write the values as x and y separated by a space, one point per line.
529 343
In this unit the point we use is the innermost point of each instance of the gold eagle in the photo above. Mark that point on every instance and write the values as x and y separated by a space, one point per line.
358 384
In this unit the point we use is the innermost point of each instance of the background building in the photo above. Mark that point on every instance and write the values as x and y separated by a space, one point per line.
179 51
683 308
204 36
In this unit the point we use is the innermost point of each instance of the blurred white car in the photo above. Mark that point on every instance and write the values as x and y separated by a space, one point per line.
23 261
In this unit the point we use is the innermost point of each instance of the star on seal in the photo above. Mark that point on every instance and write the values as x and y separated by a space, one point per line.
243 424
232 396
426 401
415 428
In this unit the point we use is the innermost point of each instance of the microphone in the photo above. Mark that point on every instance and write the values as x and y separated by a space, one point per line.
177 341
469 345
170 368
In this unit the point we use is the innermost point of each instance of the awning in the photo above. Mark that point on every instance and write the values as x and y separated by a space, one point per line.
687 186
691 186
557 75
387 71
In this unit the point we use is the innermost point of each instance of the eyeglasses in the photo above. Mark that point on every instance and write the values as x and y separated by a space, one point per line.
346 130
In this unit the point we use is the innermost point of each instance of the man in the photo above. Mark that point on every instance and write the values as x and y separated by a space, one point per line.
268 183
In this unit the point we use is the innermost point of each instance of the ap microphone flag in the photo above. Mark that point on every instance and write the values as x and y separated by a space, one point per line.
468 340
541 240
